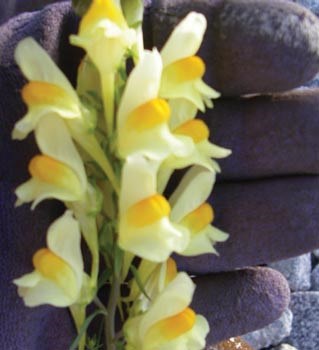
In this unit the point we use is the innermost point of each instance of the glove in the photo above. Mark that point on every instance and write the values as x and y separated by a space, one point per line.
246 199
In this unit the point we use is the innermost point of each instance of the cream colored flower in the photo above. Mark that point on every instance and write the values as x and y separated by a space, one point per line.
48 90
190 209
144 227
104 35
183 71
57 172
169 322
184 124
58 274
143 117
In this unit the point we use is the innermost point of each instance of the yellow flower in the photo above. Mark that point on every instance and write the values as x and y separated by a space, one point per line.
104 35
48 90
144 227
190 209
143 117
183 70
58 274
56 173
184 124
169 322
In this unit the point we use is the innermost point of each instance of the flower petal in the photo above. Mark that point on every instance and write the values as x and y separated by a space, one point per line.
186 38
37 65
192 191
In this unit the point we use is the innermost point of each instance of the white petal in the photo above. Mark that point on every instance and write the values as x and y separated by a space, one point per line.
37 65
154 242
44 292
142 85
175 298
54 140
192 191
64 239
181 111
36 191
186 38
138 180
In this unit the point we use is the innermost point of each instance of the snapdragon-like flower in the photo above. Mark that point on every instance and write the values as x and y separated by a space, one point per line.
183 71
143 116
190 209
48 90
169 322
104 35
183 123
58 274
56 173
144 228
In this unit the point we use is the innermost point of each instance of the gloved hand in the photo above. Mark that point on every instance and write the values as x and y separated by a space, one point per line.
251 47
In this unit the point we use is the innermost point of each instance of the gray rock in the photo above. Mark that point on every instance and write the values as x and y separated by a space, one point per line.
272 334
316 252
312 5
284 347
296 270
315 279
305 325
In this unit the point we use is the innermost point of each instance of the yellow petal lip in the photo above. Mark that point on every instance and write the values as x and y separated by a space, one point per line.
186 69
195 128
49 170
43 93
149 115
172 327
199 218
148 211
101 10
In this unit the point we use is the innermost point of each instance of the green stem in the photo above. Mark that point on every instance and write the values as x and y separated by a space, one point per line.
78 314
110 318
107 81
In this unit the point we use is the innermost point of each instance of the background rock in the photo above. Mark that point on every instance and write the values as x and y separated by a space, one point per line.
296 270
272 334
305 325
315 279
312 5
284 347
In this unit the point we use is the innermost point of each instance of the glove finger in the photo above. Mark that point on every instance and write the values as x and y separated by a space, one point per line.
268 135
267 220
239 302
251 46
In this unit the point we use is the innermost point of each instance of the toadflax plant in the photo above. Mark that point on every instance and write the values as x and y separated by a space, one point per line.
107 150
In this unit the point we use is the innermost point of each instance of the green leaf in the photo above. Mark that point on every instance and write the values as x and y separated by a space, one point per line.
81 6
105 276
118 260
84 327
139 281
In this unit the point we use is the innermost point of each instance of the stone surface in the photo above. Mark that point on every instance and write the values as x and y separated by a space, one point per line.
312 5
296 270
251 46
305 325
316 253
272 334
268 220
284 347
241 301
315 279
269 135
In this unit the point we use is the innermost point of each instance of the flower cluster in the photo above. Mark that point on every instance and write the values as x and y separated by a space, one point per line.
108 150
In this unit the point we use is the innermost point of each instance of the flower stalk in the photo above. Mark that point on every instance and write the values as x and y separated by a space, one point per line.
133 132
